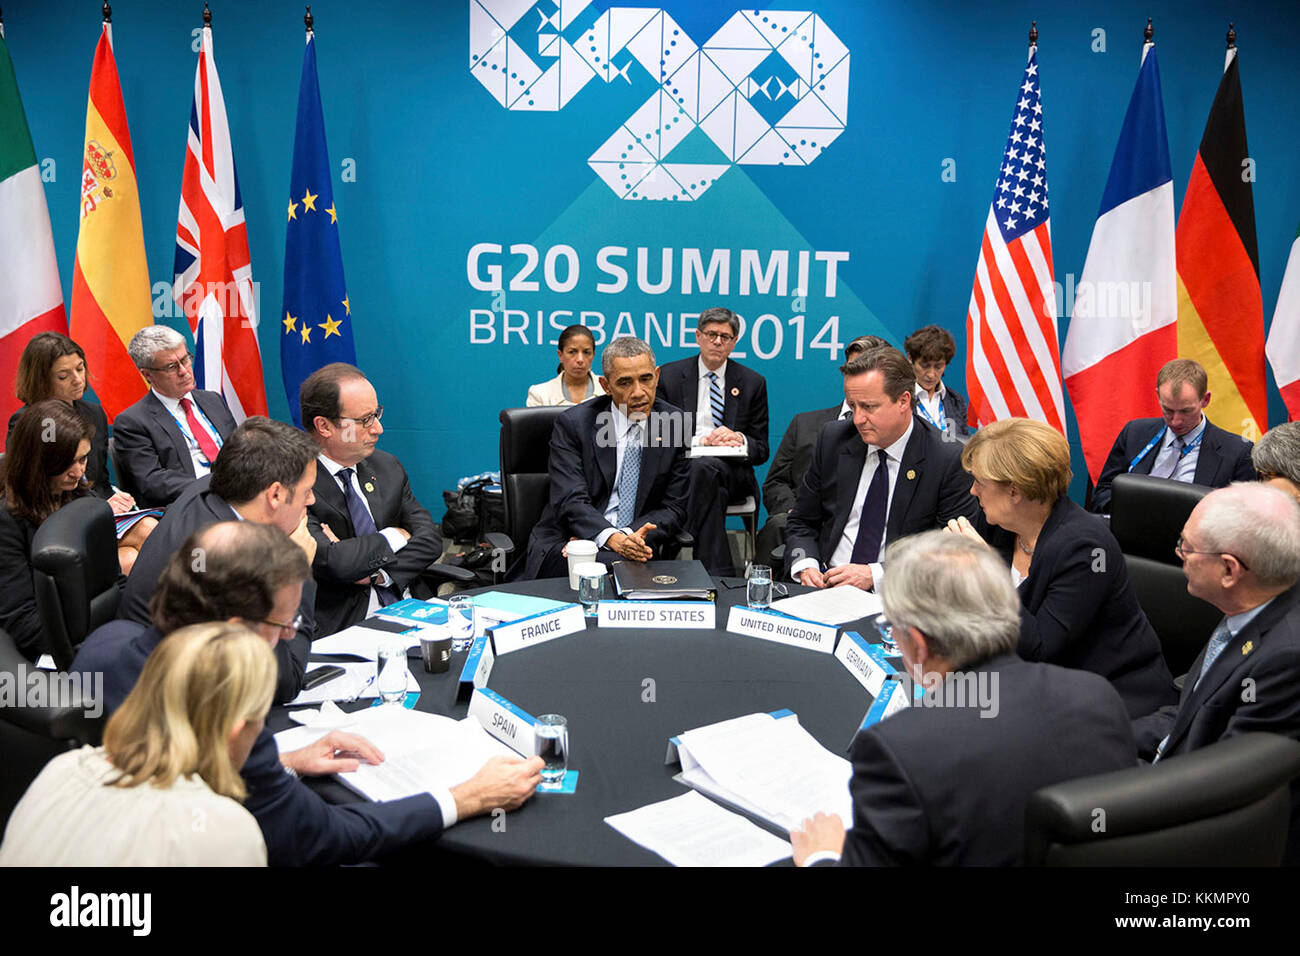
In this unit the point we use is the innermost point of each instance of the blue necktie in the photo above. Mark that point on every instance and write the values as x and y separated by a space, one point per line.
1168 464
871 522
363 523
1218 641
715 399
629 477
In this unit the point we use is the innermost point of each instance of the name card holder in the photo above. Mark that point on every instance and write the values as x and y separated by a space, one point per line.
478 666
865 661
661 615
537 628
771 625
509 724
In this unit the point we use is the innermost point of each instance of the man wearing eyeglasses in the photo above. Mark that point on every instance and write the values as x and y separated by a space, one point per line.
728 407
1240 551
374 539
172 435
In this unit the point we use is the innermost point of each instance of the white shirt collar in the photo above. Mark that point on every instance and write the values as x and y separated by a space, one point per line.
173 405
332 466
621 423
720 371
939 393
895 451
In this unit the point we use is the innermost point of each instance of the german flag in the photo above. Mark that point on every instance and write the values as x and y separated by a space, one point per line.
110 282
1220 311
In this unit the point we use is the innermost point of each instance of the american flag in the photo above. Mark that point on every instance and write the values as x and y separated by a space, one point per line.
1013 365
214 276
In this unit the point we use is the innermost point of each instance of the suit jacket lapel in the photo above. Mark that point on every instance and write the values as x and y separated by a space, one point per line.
730 402
848 472
1207 457
651 456
173 431
330 495
1148 461
690 386
371 488
607 457
912 464
207 405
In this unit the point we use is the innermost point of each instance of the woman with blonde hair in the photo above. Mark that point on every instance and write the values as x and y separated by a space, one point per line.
1078 606
164 789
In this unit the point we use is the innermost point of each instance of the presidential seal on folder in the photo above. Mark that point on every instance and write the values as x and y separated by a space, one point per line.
662 580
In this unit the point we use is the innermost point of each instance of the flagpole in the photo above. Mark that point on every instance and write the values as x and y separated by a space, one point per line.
308 20
1148 33
1033 34
108 12
207 16
1232 47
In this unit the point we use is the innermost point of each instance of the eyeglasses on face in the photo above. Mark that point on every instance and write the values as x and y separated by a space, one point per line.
365 421
173 368
1184 552
291 627
722 338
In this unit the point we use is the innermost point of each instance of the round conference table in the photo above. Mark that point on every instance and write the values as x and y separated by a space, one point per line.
625 692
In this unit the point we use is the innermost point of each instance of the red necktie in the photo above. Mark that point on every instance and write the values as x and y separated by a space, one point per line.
206 444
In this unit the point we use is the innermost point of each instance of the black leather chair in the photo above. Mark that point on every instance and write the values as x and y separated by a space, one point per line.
1228 804
525 470
31 735
75 574
1147 514
1147 517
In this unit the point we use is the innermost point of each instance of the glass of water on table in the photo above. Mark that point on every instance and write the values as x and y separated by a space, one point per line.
552 734
460 619
758 586
390 680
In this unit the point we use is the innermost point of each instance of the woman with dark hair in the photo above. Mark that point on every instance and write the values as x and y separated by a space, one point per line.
44 468
53 366
576 382
930 349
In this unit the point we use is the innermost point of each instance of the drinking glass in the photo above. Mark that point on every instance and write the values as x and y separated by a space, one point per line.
460 618
551 732
391 680
758 589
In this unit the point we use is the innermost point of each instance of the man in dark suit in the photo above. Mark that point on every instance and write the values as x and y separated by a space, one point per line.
618 469
946 781
872 480
794 454
264 474
253 574
1182 445
171 436
374 539
727 404
1241 552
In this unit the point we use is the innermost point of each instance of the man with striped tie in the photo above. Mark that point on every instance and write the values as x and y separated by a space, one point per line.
728 407
1240 551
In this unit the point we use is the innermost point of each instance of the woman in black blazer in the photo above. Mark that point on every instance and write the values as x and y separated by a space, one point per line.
54 366
37 477
1078 606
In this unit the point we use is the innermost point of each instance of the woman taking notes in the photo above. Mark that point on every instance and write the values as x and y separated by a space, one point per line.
576 381
1078 607
165 789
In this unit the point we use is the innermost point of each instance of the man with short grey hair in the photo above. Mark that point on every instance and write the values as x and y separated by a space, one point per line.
1276 457
170 437
618 470
946 781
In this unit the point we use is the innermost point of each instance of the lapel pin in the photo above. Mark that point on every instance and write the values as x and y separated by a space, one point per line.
911 474
734 391
370 486
1247 648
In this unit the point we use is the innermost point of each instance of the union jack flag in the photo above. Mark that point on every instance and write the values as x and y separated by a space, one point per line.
214 275
1013 365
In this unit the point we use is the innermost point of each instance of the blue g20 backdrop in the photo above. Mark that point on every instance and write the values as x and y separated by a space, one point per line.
503 168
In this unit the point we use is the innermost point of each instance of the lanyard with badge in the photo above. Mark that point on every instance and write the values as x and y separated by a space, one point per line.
1182 452
190 440
942 426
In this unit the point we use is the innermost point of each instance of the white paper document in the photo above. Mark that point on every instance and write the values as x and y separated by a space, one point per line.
837 605
361 641
716 451
355 684
770 767
422 751
692 830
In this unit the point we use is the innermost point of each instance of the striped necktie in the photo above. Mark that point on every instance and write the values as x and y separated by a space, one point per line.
1218 641
629 477
715 399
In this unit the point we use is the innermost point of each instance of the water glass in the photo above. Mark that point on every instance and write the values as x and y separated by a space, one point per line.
391 679
758 588
551 732
591 586
460 618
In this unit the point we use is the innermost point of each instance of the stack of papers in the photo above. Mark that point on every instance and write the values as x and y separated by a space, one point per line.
837 605
361 641
497 607
768 767
422 751
692 831
357 682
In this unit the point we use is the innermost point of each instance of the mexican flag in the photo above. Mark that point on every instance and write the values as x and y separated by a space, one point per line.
31 298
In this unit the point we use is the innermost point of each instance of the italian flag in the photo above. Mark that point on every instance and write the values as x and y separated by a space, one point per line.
31 297
1284 335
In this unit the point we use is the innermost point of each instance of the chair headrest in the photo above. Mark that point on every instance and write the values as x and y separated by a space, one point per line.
1147 514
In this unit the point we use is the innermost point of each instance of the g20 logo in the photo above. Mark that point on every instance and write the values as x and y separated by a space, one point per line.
770 88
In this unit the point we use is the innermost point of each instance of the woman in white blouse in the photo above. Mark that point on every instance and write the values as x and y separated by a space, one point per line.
165 789
576 382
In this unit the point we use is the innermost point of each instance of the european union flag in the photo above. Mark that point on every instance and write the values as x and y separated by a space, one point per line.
316 316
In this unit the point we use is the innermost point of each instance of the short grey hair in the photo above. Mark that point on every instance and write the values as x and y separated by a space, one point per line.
719 314
1257 523
955 591
628 346
151 339
1278 452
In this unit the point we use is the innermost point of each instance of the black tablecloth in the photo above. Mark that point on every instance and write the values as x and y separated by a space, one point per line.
625 692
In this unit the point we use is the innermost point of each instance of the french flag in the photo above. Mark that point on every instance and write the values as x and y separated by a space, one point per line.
1123 327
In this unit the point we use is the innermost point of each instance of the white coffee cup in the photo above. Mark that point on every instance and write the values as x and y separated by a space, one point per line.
580 552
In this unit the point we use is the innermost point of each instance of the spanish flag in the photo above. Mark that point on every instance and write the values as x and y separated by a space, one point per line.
1220 311
110 280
